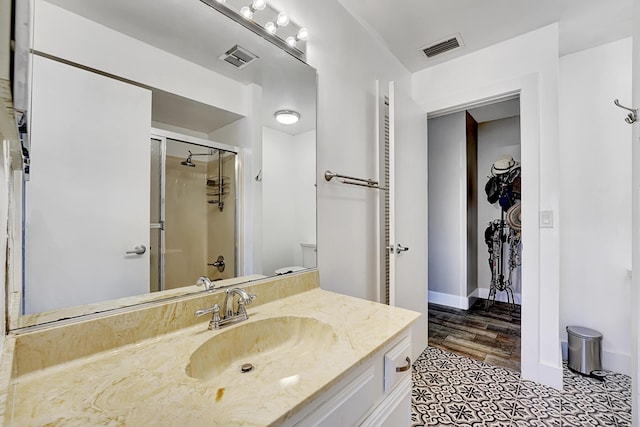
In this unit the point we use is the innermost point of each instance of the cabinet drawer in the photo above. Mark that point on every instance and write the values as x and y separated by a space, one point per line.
397 363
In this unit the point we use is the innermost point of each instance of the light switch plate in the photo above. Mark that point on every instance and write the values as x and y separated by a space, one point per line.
546 219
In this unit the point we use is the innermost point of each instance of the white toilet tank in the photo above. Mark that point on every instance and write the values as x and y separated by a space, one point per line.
309 258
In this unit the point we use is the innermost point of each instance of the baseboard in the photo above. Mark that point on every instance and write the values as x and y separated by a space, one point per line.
500 296
464 303
611 360
550 375
448 300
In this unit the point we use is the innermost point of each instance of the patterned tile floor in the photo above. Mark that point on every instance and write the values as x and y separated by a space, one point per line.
453 390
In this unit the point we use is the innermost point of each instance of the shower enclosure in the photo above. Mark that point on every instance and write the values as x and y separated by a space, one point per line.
193 221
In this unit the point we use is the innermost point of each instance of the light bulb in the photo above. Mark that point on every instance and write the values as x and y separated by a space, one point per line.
283 19
246 12
270 27
303 34
259 4
291 41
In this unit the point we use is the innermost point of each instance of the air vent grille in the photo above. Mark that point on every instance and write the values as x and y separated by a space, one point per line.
238 56
442 46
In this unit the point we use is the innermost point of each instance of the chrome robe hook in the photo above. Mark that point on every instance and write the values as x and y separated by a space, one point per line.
632 117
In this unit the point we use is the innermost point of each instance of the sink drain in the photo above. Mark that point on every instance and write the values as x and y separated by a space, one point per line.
247 367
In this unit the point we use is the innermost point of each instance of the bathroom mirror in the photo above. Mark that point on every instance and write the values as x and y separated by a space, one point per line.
257 172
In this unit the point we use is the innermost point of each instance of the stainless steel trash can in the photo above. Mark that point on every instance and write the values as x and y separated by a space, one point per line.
585 349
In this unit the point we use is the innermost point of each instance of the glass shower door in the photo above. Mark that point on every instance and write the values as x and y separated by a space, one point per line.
198 223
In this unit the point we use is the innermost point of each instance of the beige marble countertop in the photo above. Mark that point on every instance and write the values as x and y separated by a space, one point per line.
146 383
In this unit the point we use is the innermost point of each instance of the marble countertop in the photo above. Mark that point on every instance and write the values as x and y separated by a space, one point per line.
147 383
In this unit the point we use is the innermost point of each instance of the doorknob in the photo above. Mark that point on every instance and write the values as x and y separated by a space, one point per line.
396 248
219 264
138 250
400 248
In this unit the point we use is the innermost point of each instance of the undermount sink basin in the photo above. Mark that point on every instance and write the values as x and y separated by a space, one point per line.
278 346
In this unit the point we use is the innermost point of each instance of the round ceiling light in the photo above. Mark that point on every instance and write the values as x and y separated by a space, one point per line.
287 117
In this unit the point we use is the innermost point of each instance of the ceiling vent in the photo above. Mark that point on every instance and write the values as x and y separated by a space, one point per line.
445 45
238 56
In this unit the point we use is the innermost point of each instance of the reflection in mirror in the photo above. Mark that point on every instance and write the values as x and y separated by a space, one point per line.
193 214
117 213
288 205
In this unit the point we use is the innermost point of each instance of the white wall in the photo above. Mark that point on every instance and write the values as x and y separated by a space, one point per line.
288 205
123 56
527 65
595 196
448 210
495 138
349 61
635 301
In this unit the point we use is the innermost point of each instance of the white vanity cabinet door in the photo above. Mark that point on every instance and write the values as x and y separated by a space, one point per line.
395 409
361 399
348 405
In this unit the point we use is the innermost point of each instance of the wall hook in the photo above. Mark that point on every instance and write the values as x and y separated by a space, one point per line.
632 117
259 176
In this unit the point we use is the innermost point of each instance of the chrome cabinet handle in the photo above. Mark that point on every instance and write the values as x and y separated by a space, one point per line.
405 368
400 248
138 250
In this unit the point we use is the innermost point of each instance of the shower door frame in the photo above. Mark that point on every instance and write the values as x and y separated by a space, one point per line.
162 136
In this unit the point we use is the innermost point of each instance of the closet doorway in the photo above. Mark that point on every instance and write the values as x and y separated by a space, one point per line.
474 232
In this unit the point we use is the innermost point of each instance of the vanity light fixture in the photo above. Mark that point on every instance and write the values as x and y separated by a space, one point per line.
272 24
287 117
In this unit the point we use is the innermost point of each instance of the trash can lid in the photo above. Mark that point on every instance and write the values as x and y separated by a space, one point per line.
583 332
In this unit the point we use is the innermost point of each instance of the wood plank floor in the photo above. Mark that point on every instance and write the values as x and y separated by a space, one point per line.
491 336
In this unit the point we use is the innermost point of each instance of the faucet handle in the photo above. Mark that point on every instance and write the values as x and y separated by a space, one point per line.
215 309
214 323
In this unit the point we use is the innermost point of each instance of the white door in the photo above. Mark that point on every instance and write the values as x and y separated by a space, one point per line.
87 200
408 210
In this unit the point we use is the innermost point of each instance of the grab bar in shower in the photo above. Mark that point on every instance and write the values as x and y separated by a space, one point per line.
632 117
369 183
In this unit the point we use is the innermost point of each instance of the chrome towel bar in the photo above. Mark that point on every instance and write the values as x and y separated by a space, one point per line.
369 183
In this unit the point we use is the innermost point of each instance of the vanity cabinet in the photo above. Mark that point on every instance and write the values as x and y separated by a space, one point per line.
374 394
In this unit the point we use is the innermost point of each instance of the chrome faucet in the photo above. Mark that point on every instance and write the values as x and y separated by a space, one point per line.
204 280
230 317
244 298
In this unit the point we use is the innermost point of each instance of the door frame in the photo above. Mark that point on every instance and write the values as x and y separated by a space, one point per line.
163 135
534 328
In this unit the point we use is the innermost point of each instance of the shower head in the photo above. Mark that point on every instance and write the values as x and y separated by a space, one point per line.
188 161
